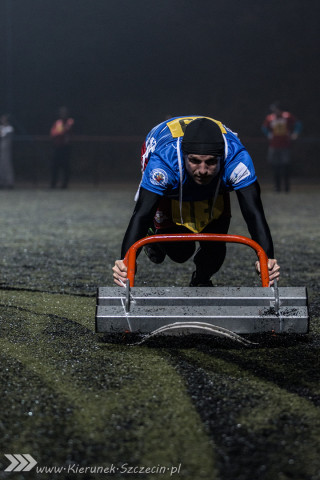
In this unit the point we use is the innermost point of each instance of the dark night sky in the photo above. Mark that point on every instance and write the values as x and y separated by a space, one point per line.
122 65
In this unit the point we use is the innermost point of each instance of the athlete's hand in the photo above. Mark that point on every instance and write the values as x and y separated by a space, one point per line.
273 268
120 273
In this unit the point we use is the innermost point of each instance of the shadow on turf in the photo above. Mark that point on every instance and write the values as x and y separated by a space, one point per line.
194 340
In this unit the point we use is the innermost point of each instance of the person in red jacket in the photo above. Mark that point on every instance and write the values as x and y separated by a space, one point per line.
60 134
280 127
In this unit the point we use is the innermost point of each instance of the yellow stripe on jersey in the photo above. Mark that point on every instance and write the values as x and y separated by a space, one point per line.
178 125
197 215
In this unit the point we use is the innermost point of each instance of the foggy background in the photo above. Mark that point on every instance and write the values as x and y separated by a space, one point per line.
122 66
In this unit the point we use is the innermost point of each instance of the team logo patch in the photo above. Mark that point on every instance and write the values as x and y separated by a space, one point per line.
239 173
158 177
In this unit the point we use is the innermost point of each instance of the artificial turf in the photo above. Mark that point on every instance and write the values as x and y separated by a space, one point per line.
197 408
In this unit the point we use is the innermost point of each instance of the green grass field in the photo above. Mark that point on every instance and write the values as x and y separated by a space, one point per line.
192 409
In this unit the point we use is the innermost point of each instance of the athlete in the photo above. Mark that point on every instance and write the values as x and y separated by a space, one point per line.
189 166
281 128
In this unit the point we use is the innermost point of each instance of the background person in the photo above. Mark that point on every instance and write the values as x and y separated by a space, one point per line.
6 165
60 134
190 164
280 127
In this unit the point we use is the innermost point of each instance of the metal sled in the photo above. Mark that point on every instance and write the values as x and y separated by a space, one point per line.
221 311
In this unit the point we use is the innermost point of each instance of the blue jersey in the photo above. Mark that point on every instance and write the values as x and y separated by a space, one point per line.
164 171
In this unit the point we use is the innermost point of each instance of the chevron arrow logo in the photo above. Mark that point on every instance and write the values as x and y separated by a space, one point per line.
20 463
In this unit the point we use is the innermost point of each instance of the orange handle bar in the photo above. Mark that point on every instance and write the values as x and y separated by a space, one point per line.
130 258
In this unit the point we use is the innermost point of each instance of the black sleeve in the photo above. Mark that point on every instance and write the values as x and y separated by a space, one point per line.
141 219
253 213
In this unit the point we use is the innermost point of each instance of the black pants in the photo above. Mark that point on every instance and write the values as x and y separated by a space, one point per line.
61 164
280 160
210 255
